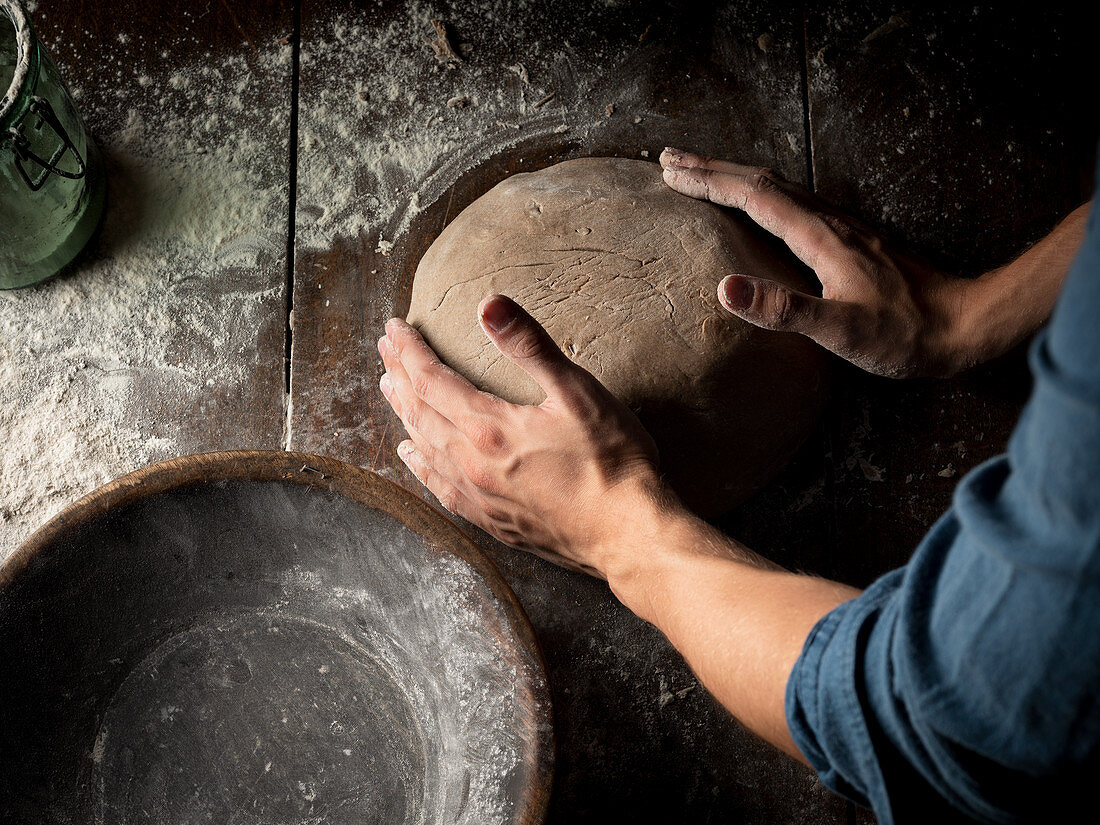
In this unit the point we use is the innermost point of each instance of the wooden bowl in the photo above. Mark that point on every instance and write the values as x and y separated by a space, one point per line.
265 637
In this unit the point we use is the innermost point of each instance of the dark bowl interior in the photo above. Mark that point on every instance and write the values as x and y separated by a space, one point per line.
265 637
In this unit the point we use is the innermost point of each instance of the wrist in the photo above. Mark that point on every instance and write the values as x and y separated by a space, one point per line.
989 319
654 541
1005 306
640 519
956 329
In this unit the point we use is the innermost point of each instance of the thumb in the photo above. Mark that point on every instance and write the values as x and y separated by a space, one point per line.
522 340
772 306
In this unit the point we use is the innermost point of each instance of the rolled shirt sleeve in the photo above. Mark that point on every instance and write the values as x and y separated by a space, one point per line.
967 684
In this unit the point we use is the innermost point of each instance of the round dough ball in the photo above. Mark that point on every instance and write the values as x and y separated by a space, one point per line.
623 272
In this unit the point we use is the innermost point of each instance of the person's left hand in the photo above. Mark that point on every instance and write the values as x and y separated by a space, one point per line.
556 479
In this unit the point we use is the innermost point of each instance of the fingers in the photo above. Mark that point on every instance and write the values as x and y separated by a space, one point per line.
443 484
449 496
522 340
678 157
453 500
673 158
691 160
439 386
818 235
811 236
772 306
421 420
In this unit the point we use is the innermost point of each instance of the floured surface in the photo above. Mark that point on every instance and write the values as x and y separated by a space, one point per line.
392 139
356 747
149 346
378 146
622 272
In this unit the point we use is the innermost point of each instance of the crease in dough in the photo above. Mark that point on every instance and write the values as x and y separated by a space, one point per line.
630 295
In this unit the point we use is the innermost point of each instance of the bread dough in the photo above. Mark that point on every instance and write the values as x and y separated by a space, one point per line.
623 272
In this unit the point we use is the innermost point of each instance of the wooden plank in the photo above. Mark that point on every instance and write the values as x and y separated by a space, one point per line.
168 336
954 130
383 159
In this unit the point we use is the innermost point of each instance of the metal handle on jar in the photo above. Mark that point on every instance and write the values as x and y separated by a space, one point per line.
23 154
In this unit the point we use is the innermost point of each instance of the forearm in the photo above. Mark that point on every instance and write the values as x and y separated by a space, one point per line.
738 620
998 310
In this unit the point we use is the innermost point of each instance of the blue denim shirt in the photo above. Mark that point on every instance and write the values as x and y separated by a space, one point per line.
966 685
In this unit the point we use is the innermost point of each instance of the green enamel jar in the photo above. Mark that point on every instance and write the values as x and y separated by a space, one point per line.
52 187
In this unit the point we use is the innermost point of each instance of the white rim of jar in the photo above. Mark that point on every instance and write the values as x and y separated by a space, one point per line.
14 11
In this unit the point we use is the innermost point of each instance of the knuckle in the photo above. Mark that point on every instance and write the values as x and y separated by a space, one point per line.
437 369
840 228
758 192
486 437
413 416
425 457
769 174
704 177
875 244
495 514
477 474
528 344
449 499
509 537
760 182
422 384
782 309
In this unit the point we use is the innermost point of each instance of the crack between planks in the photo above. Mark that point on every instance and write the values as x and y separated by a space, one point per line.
288 350
807 119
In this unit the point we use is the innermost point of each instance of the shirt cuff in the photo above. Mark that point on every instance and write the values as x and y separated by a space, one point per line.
825 705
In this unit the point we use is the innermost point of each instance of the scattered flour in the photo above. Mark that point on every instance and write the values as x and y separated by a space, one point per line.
130 358
420 617
386 129
165 312
408 124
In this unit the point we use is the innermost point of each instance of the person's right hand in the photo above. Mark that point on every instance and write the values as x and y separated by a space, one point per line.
561 479
879 309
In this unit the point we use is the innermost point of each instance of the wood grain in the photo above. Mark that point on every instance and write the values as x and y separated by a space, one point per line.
149 42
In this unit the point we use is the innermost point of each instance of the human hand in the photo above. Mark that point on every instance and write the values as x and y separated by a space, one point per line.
883 311
575 480
556 479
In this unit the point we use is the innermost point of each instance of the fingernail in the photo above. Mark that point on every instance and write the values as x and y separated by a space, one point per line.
404 450
385 384
676 154
737 293
498 314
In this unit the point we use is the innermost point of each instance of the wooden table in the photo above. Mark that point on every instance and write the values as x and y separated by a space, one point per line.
278 168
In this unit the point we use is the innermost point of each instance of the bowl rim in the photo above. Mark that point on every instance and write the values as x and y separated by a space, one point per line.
360 485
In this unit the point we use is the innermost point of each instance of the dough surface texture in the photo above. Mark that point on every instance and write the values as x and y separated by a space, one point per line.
623 272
